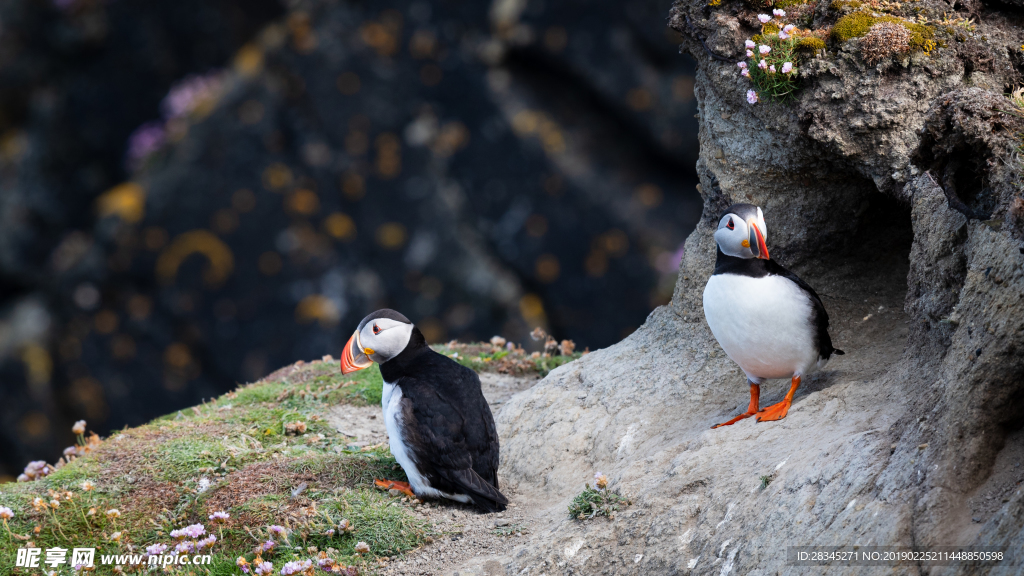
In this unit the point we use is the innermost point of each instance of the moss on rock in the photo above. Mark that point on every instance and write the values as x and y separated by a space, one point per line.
810 44
858 24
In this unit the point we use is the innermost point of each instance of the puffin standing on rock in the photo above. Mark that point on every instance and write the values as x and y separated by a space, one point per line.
439 425
767 320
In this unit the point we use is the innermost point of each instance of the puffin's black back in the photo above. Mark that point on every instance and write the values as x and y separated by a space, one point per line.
448 423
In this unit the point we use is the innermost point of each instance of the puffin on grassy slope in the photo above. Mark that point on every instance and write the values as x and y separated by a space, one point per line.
767 320
439 425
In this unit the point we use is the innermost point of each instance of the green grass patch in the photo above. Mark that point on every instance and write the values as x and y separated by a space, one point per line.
382 522
355 468
388 528
237 429
593 502
182 458
366 390
71 475
68 525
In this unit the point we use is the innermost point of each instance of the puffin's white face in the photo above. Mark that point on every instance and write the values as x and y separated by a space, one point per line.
743 238
379 340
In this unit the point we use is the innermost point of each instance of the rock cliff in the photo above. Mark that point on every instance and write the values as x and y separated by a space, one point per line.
894 190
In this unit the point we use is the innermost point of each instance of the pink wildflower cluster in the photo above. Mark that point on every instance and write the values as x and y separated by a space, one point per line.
297 567
195 531
35 470
189 541
761 56
219 517
266 547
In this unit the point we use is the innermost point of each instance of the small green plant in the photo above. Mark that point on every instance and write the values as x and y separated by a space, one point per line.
955 21
765 481
770 59
597 501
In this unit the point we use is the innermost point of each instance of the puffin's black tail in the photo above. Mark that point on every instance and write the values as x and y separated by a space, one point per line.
483 494
838 351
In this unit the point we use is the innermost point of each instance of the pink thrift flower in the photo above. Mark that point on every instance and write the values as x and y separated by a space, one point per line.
783 35
787 67
772 68
764 18
779 12
762 65
750 44
741 64
156 549
764 49
745 73
195 530
750 54
751 97
296 567
788 29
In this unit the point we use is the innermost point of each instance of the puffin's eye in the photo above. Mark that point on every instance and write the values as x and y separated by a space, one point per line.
730 225
376 330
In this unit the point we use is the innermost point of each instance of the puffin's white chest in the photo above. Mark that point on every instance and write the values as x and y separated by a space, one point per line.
391 402
763 324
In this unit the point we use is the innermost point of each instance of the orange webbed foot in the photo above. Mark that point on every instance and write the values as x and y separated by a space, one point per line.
774 412
734 420
779 411
755 396
402 487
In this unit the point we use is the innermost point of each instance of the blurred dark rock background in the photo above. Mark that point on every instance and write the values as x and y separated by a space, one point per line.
193 193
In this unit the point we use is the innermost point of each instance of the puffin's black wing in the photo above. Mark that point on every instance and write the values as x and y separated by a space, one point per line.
451 431
819 315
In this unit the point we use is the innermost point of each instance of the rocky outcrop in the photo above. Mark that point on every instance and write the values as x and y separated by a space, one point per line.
894 191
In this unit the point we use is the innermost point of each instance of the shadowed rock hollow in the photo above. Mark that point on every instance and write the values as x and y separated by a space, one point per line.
895 191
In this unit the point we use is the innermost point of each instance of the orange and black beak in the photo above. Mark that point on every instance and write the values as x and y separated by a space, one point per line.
757 245
354 357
